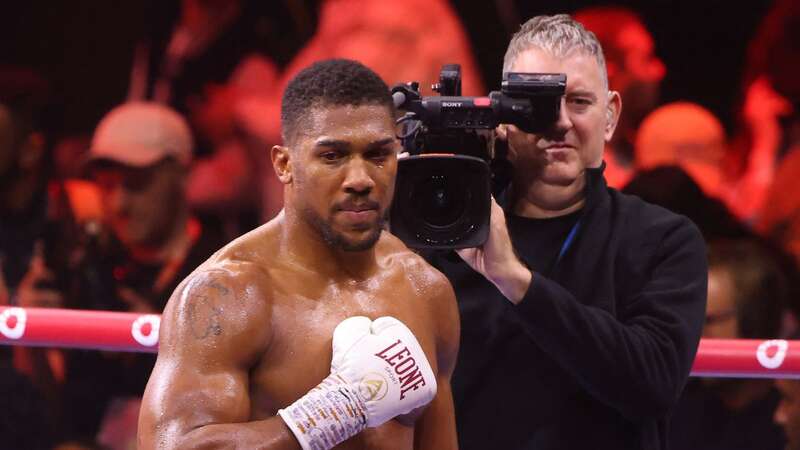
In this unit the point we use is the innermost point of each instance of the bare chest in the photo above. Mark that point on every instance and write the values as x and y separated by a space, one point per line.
299 354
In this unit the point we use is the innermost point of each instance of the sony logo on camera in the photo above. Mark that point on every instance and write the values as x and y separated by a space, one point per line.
443 189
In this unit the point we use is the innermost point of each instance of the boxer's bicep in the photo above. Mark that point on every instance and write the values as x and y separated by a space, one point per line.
182 397
210 334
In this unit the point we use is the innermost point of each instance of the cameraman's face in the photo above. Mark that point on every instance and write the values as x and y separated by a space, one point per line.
586 121
141 205
343 166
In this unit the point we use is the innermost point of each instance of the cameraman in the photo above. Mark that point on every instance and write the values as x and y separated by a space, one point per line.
582 312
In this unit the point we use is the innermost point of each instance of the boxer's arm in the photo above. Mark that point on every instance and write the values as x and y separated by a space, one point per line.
198 394
437 426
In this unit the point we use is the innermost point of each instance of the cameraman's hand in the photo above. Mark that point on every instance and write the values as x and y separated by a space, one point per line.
31 292
496 259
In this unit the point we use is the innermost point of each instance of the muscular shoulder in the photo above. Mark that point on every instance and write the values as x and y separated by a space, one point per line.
223 307
424 278
434 291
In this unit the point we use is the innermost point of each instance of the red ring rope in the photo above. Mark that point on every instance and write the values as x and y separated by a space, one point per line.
121 331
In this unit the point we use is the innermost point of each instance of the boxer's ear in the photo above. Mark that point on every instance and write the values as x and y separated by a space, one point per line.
281 162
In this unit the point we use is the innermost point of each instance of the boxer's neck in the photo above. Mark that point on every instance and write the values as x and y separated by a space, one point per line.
305 246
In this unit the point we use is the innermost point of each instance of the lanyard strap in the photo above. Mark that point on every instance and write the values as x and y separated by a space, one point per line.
568 241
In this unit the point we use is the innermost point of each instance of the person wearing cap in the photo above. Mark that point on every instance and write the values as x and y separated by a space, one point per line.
138 158
147 241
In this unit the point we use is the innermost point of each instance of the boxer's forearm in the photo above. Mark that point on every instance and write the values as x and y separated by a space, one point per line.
268 434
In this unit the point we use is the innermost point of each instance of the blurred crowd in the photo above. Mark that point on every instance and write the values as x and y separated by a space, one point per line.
114 218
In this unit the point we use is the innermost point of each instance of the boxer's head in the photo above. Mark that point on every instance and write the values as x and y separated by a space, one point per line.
339 158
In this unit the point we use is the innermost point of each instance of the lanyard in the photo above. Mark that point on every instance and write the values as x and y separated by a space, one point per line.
568 241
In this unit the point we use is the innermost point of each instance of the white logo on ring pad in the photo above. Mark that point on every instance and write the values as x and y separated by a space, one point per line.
150 339
18 329
774 361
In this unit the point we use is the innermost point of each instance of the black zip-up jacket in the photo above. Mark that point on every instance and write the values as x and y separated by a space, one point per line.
599 349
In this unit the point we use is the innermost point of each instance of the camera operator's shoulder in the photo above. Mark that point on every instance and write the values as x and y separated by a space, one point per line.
647 224
642 215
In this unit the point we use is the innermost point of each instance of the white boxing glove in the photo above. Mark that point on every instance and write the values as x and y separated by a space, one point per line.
378 372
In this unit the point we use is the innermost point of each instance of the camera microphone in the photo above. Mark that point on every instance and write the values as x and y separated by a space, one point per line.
442 193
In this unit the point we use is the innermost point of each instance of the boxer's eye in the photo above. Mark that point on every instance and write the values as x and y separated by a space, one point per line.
379 154
331 156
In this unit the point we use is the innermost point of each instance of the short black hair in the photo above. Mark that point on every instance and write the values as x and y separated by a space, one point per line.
332 82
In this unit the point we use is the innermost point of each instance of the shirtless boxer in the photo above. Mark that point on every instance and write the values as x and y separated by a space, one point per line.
250 333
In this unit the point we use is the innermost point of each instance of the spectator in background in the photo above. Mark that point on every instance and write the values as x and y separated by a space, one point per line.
23 420
746 295
409 41
780 216
203 61
139 159
30 200
686 135
634 71
787 415
24 171
149 242
673 188
234 109
770 112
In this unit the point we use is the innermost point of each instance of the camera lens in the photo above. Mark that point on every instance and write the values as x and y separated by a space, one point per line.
441 200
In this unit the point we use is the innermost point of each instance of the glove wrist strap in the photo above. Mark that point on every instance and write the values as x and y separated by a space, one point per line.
327 415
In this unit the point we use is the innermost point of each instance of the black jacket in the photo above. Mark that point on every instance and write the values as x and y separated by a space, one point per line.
599 349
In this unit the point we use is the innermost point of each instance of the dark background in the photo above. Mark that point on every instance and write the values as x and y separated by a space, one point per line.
85 47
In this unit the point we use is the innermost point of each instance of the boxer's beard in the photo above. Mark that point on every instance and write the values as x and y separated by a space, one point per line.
338 240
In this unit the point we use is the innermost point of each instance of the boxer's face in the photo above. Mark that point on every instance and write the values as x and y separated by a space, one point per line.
343 166
587 119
